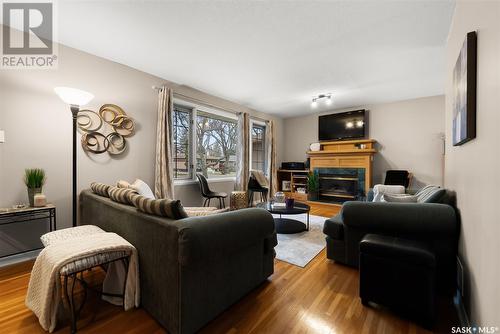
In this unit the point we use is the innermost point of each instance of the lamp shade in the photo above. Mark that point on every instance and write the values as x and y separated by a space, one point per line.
73 96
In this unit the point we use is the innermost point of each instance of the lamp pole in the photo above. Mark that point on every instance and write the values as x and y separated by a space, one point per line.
74 111
75 98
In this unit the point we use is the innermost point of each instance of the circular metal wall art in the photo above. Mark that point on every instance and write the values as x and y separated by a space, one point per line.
117 143
95 142
89 122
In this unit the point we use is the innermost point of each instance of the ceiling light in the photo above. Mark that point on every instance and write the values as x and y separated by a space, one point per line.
327 96
349 125
328 100
360 124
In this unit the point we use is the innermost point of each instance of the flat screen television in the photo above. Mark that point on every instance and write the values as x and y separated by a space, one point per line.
343 126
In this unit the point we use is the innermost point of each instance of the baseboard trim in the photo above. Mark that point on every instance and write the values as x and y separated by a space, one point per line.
460 308
18 258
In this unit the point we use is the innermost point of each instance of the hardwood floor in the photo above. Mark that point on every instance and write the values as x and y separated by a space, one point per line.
320 298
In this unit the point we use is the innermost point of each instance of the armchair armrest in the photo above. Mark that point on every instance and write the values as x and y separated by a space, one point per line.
209 237
407 218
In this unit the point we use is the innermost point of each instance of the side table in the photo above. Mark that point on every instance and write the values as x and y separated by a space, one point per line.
238 200
25 215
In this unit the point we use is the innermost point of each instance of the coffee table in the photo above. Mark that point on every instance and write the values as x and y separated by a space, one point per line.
287 225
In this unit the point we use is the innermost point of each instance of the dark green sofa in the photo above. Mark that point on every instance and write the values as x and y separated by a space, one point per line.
194 268
434 222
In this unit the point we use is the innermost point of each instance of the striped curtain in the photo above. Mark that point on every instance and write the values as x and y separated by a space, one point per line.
164 174
243 152
271 158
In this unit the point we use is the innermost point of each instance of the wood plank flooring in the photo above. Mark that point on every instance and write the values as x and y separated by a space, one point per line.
321 298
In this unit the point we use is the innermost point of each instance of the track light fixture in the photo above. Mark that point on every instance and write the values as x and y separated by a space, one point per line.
327 97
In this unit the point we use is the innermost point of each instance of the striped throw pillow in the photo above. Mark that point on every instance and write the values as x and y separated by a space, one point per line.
429 194
100 188
121 195
159 207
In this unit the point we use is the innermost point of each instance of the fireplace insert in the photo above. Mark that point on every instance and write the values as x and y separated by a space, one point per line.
337 185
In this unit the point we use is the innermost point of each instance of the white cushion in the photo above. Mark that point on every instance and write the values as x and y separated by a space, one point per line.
142 189
380 189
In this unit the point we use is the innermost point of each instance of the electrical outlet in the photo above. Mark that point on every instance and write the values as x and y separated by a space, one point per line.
460 276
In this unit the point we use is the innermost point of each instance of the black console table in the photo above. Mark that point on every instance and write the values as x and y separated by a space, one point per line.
29 214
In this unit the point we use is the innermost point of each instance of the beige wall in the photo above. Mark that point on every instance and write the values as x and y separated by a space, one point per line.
407 133
38 128
472 169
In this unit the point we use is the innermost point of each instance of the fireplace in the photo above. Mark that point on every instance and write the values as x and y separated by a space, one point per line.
337 185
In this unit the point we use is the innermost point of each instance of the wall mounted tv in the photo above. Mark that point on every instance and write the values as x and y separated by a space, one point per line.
343 126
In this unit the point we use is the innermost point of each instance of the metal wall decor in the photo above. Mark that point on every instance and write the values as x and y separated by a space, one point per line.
106 130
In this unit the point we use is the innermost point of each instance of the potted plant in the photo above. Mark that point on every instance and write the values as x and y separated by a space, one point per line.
312 186
34 178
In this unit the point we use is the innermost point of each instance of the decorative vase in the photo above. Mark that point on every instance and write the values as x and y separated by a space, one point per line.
31 195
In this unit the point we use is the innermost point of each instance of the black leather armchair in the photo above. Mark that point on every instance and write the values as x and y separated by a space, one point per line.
435 224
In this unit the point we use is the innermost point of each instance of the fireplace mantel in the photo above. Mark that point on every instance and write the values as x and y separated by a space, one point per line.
345 154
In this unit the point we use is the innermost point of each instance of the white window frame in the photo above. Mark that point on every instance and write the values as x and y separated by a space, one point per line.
195 108
264 125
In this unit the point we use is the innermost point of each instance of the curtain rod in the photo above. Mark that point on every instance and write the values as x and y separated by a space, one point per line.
211 105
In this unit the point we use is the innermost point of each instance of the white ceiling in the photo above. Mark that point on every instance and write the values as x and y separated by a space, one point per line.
273 56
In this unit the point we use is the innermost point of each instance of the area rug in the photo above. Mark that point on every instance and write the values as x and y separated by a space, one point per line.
300 248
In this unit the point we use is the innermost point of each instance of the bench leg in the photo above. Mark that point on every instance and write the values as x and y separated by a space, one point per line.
71 301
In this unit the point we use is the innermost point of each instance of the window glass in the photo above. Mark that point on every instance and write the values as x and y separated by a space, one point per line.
182 142
216 140
259 147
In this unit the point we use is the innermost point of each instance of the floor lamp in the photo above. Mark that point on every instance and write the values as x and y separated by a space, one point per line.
75 98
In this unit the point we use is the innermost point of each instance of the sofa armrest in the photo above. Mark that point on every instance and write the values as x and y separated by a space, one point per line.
406 218
215 236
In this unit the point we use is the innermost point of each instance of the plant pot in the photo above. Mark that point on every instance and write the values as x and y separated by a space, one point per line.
313 196
31 195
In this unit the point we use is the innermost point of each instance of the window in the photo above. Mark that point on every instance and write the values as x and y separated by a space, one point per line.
208 143
182 142
258 147
216 139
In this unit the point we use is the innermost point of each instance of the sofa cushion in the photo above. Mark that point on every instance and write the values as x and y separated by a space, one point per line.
142 188
159 207
100 188
121 195
122 184
430 194
334 227
400 198
203 211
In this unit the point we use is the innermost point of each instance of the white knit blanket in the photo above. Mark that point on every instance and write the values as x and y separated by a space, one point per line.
44 290
380 189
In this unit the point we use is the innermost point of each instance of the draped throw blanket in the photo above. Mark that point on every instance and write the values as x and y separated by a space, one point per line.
271 158
45 288
243 152
164 174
